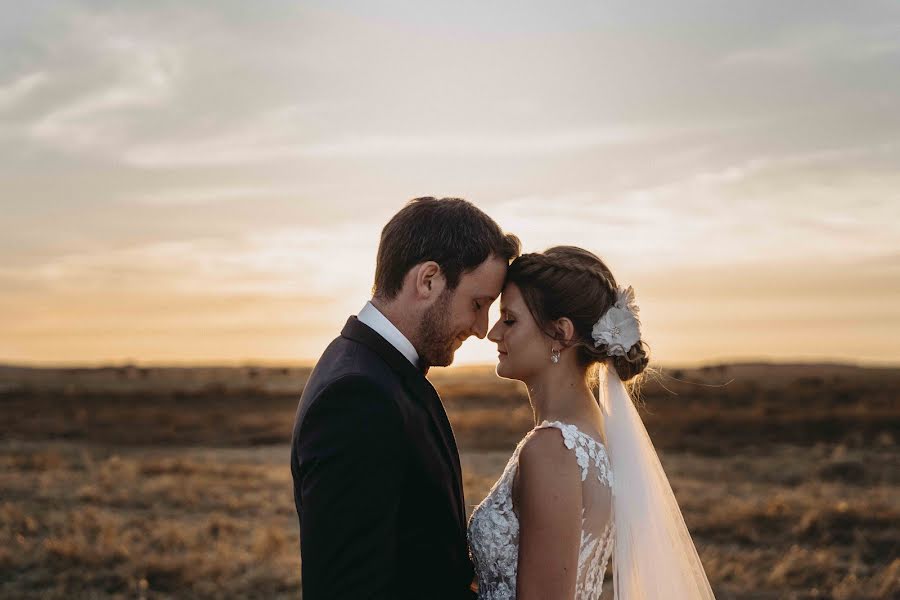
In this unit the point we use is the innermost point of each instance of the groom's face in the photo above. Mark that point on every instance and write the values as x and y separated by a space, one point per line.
456 315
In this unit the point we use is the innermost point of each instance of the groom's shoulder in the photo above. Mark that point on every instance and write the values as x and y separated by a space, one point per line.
348 379
348 371
348 363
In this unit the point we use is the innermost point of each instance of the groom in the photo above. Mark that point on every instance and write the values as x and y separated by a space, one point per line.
377 480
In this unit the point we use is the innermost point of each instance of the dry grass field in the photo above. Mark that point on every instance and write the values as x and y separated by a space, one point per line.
130 482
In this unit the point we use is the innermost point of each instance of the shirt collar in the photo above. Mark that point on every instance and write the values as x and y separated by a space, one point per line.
374 318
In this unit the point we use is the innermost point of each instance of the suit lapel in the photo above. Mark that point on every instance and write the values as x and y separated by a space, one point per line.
427 397
439 417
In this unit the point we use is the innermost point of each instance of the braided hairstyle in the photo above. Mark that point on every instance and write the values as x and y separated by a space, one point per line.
566 281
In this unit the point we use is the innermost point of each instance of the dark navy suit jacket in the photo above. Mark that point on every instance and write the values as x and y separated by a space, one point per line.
377 479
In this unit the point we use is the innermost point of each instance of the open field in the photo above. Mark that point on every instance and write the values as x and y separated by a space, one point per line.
134 482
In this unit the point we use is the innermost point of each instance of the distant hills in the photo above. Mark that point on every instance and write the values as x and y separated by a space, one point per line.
129 378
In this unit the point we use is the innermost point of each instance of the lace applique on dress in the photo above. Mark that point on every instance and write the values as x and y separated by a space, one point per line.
493 530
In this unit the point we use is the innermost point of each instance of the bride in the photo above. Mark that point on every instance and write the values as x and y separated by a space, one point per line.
585 485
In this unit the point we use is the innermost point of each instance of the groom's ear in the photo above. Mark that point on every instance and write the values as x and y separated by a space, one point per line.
429 280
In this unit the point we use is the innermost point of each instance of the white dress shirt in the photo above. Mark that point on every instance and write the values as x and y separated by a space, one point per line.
373 317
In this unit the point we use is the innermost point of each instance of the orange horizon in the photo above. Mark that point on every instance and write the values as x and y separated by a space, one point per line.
200 364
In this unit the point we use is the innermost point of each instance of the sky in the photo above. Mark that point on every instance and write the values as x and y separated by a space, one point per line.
206 182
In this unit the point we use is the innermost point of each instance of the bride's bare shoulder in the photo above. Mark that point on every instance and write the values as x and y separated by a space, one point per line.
550 516
545 460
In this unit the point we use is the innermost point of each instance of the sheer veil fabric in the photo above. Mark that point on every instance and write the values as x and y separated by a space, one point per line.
654 556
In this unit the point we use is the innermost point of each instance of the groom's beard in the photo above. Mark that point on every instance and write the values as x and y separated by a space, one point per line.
434 333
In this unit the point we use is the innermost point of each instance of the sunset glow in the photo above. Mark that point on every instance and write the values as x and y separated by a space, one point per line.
738 164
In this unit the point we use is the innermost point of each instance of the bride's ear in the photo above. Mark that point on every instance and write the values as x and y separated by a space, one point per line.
565 331
429 280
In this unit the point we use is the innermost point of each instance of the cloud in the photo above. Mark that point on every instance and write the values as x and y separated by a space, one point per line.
830 43
275 262
755 166
260 143
213 195
14 93
634 235
276 292
737 214
137 75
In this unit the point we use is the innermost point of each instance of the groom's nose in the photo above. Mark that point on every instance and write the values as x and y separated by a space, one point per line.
481 326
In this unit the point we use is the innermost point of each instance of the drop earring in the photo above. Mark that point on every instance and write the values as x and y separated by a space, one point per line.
554 355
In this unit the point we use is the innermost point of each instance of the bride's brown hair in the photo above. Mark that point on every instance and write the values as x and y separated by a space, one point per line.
566 281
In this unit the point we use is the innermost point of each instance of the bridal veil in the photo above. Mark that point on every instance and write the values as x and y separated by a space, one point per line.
654 556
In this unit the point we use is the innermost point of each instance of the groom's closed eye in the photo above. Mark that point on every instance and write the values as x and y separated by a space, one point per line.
481 302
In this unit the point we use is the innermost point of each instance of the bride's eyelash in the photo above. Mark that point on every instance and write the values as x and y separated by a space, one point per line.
508 322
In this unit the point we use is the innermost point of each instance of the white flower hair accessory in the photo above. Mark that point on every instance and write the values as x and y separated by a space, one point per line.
619 327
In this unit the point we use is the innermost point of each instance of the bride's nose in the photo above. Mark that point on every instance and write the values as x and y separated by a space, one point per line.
493 334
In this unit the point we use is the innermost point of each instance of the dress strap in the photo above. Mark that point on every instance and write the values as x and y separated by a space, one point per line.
587 449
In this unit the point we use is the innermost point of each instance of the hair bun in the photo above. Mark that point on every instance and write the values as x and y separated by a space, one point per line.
633 363
567 281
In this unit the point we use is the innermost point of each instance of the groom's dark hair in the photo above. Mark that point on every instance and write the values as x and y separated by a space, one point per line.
452 232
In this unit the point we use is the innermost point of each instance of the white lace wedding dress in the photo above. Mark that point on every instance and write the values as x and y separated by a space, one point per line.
493 529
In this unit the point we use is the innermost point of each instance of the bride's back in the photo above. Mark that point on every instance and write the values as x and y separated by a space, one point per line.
494 525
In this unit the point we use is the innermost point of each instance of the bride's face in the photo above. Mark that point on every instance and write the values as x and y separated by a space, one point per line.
523 349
